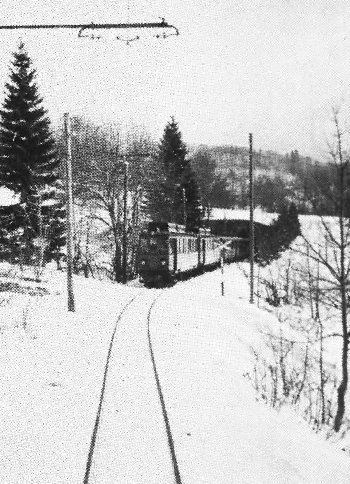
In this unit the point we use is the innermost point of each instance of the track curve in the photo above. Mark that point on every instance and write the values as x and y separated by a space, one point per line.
102 393
162 401
129 405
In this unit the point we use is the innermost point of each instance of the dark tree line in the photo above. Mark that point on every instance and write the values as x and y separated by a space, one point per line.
278 181
272 240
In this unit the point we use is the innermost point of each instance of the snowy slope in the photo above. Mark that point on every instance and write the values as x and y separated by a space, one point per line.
52 366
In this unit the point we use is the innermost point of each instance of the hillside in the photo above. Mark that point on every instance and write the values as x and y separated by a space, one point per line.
279 179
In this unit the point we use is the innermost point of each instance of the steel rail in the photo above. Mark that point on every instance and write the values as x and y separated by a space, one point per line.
102 393
171 444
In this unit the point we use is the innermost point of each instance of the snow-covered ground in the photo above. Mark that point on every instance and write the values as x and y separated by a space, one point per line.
241 214
52 368
8 197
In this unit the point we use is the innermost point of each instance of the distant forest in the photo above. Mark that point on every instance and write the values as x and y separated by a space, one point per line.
278 179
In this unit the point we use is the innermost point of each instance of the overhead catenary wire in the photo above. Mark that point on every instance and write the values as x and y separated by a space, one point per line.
100 26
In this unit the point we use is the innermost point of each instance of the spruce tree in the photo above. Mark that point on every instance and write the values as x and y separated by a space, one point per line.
29 164
174 195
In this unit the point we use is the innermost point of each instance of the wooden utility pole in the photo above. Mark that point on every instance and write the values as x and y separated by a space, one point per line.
184 206
125 222
251 210
69 216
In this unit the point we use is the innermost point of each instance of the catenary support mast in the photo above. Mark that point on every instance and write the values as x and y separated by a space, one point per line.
69 217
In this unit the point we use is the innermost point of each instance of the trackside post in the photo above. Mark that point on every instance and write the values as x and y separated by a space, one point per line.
222 272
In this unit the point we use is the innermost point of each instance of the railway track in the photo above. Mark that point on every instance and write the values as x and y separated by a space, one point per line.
162 400
126 419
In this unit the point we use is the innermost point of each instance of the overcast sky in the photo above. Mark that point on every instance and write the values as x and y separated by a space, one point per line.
271 67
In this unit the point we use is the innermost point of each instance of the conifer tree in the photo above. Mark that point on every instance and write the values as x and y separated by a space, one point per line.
174 196
28 162
278 237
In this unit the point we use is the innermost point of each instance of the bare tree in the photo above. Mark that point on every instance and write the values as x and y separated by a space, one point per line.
331 251
101 163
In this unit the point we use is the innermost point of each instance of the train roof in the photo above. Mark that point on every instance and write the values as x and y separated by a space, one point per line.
167 227
173 228
260 216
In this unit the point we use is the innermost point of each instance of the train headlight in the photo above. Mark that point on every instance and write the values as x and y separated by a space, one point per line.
163 262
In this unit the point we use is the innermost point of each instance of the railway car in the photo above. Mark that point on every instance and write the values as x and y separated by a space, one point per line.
167 252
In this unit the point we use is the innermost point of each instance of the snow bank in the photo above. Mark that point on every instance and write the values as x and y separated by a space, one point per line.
52 365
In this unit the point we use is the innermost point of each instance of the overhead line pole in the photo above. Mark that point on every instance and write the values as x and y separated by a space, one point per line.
125 222
69 217
125 211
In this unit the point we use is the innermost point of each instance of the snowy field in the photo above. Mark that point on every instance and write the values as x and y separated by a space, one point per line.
52 368
240 214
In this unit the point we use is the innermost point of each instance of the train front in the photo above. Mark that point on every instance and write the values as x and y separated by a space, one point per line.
153 259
